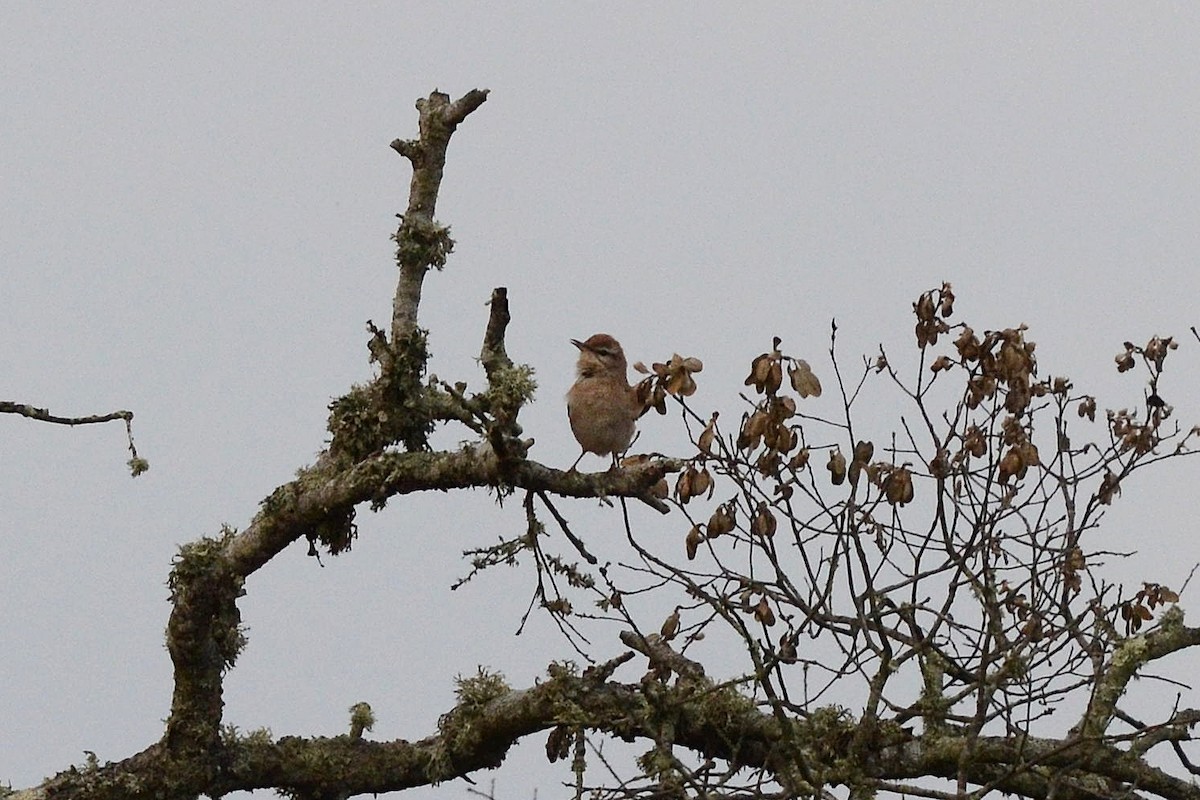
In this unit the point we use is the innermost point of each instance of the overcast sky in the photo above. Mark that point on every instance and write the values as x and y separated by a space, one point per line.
195 208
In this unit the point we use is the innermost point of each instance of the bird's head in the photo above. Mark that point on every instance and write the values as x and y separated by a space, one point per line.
600 354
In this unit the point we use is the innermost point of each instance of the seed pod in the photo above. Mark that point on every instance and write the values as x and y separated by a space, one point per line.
558 743
939 467
760 369
1029 453
670 626
967 345
774 378
707 437
946 304
1012 464
768 463
720 522
694 538
787 650
752 430
837 467
764 522
898 486
659 399
683 485
763 613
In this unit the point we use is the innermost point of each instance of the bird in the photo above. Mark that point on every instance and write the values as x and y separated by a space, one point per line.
602 407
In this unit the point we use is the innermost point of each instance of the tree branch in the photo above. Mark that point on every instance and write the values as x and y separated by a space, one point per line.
137 464
44 415
421 243
1131 655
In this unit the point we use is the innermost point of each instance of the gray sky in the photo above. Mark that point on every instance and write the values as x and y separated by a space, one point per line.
195 208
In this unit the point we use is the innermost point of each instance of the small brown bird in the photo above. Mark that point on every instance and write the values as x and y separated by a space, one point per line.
602 406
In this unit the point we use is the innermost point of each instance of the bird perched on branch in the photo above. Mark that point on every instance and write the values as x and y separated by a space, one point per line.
602 406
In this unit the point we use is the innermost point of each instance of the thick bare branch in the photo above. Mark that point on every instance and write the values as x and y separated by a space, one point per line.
1131 655
421 243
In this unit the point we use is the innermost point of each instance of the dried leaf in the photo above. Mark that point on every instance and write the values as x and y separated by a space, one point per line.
708 436
683 485
1109 487
760 368
763 523
558 743
721 522
763 612
974 442
898 486
804 382
774 378
1125 360
837 467
692 542
946 306
752 430
670 626
939 467
678 375
1012 464
967 345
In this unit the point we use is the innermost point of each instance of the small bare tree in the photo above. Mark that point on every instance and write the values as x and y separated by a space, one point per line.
940 583
900 614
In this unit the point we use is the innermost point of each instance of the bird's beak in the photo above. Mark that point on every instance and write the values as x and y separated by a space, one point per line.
577 343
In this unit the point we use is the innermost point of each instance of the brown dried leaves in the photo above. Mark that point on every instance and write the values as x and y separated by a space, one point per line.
672 378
